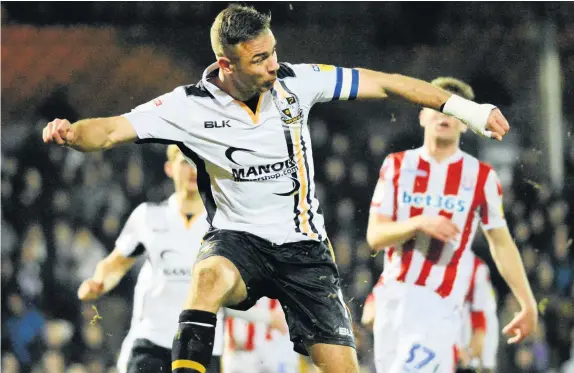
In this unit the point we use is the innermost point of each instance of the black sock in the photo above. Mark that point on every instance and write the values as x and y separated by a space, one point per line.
193 342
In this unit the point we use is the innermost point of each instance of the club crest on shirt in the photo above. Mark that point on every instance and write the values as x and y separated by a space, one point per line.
288 106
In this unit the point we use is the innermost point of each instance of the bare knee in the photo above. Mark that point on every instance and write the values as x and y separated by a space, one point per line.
215 282
207 277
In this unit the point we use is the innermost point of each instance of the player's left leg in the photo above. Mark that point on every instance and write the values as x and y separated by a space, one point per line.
319 322
330 358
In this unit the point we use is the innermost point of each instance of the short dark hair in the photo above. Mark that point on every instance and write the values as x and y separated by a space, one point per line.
455 86
236 24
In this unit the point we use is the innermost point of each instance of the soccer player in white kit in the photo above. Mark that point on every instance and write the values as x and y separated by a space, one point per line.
255 347
478 343
426 208
169 234
245 126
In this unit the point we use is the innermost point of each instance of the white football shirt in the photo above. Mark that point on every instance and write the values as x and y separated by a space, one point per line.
171 243
255 169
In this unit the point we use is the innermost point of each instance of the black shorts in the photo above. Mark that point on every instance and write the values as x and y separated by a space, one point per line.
147 357
302 275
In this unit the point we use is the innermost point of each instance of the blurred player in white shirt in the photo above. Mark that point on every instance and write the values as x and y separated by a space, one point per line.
169 234
478 343
425 211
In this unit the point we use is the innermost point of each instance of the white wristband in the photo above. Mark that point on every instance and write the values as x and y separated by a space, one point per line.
474 115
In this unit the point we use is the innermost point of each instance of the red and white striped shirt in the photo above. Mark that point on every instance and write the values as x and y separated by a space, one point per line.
460 188
249 336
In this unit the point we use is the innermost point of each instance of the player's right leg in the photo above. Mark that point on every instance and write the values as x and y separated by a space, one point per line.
219 278
319 321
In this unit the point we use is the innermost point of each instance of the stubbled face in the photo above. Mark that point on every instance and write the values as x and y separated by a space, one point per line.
254 64
441 127
184 175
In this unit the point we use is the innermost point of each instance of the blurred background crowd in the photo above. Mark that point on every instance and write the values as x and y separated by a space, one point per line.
62 210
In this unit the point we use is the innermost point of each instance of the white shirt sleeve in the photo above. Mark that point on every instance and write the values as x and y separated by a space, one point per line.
328 83
492 212
159 120
383 199
130 237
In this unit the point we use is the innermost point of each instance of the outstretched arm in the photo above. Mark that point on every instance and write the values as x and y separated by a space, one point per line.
484 119
107 275
156 120
90 135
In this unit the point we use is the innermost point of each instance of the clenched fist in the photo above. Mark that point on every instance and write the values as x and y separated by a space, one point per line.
59 131
497 125
90 290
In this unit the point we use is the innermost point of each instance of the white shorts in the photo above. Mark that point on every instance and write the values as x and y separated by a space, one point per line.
414 331
262 360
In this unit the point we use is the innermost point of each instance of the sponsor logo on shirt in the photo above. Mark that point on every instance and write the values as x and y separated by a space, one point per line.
216 124
422 200
264 172
170 271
